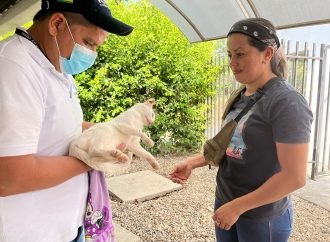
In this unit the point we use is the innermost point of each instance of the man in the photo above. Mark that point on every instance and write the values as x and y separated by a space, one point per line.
43 192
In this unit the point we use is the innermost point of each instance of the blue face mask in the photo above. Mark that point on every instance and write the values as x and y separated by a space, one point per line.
80 59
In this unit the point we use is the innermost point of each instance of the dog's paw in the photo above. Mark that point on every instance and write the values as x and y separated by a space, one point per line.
149 142
154 164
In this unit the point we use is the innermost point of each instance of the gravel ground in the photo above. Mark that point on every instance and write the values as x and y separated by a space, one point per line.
185 215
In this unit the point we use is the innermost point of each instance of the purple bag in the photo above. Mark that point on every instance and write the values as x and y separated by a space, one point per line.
98 223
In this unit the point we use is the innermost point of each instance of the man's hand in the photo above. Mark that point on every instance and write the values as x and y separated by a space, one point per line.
121 146
86 125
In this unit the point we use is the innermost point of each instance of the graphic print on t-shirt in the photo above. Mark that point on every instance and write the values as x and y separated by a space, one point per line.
237 145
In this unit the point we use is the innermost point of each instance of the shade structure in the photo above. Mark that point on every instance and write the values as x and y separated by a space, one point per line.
202 20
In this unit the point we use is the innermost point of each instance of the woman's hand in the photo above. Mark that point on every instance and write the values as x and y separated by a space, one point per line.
181 172
227 215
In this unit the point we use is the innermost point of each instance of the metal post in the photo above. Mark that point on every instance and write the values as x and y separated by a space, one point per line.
318 119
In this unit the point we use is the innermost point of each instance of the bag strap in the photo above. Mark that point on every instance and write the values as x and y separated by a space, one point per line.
259 93
232 99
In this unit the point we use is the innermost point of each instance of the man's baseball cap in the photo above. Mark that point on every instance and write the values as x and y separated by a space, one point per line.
95 11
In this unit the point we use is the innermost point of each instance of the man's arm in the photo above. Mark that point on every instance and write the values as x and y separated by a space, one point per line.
19 174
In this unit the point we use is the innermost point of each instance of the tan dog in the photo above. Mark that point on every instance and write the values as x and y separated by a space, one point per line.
97 145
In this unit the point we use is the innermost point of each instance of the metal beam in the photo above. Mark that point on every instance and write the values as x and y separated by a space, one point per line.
187 19
20 13
5 4
239 3
254 8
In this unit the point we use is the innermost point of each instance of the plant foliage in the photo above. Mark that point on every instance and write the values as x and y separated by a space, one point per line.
155 60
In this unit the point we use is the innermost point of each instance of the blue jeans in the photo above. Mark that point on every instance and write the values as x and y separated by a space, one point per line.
80 235
277 229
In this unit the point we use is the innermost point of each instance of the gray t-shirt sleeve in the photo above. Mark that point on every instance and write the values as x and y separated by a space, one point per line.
290 117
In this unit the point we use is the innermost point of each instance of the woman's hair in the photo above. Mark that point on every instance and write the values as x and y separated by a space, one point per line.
279 61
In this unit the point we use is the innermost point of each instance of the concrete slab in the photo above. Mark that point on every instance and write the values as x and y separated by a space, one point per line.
123 235
140 186
317 192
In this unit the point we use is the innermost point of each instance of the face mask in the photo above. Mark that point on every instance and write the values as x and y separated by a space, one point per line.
80 59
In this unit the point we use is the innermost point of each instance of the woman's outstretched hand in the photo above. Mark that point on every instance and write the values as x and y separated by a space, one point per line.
181 172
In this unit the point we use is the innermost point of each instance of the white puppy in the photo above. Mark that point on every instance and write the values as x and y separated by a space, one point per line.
97 145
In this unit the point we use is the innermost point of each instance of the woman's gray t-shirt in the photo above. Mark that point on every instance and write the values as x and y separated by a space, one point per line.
281 115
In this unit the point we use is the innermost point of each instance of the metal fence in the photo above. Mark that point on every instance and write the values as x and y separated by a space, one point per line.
309 73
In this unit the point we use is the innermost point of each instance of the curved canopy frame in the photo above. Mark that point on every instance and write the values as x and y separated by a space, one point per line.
202 20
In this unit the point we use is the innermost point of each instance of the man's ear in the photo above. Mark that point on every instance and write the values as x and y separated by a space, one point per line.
56 24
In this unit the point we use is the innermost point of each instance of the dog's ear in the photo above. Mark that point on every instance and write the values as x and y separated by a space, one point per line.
150 102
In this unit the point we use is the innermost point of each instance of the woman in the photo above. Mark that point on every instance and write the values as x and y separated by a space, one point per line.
267 157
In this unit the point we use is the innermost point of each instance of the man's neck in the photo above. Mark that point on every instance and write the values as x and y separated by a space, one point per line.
45 42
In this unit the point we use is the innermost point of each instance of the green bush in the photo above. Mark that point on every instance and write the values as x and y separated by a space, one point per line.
10 33
157 61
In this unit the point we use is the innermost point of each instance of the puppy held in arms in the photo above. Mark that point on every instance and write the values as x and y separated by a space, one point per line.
97 145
